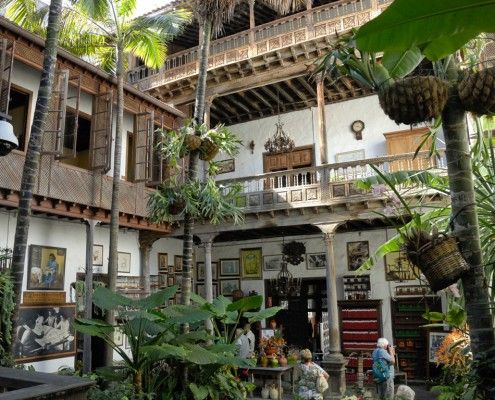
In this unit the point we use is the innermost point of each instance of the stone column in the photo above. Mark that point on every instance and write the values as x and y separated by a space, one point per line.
146 240
333 360
207 240
88 300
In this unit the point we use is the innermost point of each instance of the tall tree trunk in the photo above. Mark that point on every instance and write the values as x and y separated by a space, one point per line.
466 229
30 171
114 212
199 111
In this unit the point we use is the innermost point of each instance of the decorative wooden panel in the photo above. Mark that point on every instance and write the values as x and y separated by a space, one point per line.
301 158
101 131
143 134
403 142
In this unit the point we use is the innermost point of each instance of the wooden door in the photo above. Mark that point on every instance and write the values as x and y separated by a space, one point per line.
403 142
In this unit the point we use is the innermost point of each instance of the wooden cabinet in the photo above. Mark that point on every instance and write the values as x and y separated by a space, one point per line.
300 157
403 142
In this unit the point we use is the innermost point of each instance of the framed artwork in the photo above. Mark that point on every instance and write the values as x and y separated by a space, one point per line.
435 340
316 261
98 255
357 254
171 269
229 267
127 344
124 262
178 263
272 263
200 271
163 262
200 290
251 260
227 286
45 332
225 166
118 337
398 267
170 280
46 268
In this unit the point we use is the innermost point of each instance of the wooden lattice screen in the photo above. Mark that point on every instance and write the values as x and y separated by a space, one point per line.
143 134
101 132
70 131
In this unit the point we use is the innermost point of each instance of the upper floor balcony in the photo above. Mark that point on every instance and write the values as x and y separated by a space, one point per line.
300 30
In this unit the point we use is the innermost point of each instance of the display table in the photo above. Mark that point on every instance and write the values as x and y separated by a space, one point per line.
275 373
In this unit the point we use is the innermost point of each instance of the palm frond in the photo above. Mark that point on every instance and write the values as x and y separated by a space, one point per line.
217 12
29 15
167 25
98 10
285 6
126 8
147 45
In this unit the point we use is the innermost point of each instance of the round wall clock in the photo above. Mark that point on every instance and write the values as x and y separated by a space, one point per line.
357 127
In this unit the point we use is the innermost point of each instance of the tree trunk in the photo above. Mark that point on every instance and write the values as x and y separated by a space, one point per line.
466 229
199 111
114 212
30 171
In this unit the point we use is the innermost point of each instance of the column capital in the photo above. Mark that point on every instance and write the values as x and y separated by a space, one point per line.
328 237
146 239
207 238
328 228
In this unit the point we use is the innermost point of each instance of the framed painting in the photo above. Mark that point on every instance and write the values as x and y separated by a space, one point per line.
398 268
228 286
163 262
357 254
251 260
170 280
272 263
124 262
171 269
127 344
98 255
46 268
118 337
229 267
435 340
178 263
45 332
201 291
316 261
225 166
200 271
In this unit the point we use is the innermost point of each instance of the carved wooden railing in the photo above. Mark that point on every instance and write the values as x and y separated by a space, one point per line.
326 184
321 21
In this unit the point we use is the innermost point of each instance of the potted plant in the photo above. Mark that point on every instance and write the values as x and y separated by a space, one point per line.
293 252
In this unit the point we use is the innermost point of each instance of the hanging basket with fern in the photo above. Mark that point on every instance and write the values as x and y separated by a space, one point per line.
192 142
208 150
293 252
438 258
477 91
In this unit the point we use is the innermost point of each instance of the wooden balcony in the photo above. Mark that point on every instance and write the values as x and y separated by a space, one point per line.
328 186
295 30
69 191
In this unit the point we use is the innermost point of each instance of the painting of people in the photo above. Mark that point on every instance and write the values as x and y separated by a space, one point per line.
46 268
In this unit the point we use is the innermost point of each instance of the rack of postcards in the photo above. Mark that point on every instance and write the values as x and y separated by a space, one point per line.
357 287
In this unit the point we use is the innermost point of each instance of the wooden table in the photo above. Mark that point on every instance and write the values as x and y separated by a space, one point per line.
275 372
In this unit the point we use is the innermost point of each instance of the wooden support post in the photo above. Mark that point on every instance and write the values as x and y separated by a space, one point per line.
252 23
322 125
88 300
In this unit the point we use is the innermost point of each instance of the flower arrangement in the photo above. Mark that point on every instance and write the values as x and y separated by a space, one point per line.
454 352
272 345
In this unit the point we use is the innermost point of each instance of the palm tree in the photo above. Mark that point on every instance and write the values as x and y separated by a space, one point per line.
31 164
107 31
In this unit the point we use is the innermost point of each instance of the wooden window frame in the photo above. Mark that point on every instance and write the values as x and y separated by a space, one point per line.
29 115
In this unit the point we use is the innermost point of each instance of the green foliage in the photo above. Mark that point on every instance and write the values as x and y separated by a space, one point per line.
438 28
6 309
160 353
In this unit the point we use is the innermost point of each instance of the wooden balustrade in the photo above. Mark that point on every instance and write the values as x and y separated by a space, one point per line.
325 183
326 20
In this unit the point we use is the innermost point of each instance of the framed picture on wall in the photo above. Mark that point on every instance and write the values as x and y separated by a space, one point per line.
171 269
201 291
45 332
200 271
162 262
435 340
229 267
272 263
357 254
251 261
118 337
46 268
398 268
178 263
171 280
316 261
228 286
225 166
124 262
98 255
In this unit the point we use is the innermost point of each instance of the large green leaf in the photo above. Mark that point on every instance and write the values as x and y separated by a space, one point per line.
180 314
108 300
93 327
201 356
165 351
199 392
263 314
218 307
157 299
437 27
401 63
246 304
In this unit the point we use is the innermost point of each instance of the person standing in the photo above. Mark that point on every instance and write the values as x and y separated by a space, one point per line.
250 335
383 369
307 374
242 343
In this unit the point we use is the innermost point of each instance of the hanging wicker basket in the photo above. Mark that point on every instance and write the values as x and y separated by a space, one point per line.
192 142
477 91
414 99
177 207
208 150
440 261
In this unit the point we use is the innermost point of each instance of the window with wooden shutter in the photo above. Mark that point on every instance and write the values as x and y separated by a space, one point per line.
158 164
101 131
53 135
71 129
143 139
6 65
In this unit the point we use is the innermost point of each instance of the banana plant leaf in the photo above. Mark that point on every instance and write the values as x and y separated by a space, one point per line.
262 314
246 304
437 27
401 63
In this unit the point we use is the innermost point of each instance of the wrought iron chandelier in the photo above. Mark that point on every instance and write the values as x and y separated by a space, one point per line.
285 285
280 142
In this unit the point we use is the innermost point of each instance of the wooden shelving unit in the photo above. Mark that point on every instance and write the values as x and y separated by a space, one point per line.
360 328
409 337
357 287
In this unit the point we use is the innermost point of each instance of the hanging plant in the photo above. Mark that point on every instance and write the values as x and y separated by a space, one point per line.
294 252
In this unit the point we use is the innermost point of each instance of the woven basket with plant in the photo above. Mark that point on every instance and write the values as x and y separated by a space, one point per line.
477 91
208 150
192 142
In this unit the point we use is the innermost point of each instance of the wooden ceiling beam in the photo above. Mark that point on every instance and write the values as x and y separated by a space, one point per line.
239 104
251 103
255 93
298 92
220 111
307 86
282 91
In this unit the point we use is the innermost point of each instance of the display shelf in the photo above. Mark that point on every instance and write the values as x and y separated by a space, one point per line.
410 336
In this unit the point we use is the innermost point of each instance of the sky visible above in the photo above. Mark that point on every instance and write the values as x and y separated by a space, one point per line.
145 6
